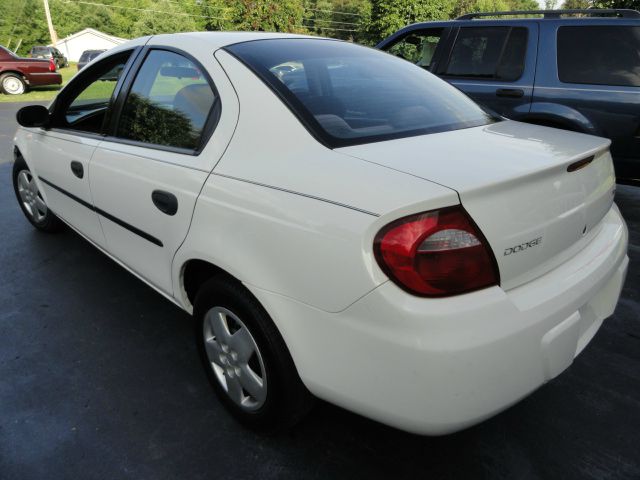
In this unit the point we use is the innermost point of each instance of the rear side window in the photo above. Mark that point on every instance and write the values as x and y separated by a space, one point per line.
489 52
599 55
169 103
347 94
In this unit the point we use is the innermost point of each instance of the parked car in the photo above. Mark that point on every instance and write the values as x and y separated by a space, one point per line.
560 70
87 56
365 233
17 74
50 52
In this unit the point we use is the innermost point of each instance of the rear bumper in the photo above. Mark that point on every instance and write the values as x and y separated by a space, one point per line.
49 78
434 366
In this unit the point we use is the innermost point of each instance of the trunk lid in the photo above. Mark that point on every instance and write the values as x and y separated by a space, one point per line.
513 179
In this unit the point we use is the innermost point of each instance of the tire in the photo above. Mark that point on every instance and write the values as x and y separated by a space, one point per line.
12 84
261 389
31 201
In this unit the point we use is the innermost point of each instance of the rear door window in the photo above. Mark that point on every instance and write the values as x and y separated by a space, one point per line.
489 52
599 55
169 103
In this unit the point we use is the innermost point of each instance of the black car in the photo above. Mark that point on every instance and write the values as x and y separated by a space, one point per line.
50 52
572 69
87 56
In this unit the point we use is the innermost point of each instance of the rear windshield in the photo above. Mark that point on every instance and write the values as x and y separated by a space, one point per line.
40 50
347 94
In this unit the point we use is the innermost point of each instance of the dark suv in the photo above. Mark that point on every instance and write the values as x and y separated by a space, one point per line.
572 69
50 52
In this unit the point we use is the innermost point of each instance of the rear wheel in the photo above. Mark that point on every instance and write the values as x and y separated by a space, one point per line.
12 84
31 201
246 359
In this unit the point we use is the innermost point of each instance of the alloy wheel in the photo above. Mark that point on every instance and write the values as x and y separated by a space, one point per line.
235 358
32 200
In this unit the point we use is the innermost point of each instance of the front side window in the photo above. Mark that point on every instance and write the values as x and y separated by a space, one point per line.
169 103
86 109
347 94
489 52
599 55
417 47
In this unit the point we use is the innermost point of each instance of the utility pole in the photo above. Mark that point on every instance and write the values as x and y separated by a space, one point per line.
52 32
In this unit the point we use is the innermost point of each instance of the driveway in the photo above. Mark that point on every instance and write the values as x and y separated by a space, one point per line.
100 379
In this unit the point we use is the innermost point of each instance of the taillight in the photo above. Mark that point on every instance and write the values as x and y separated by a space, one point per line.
436 254
52 65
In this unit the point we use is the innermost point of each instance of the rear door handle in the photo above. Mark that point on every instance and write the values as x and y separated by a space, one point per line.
165 202
510 92
77 169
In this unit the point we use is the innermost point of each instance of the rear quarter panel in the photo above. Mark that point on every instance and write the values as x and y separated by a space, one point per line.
283 213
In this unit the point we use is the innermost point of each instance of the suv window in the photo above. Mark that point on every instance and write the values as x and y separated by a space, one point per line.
86 109
599 55
489 52
169 102
417 47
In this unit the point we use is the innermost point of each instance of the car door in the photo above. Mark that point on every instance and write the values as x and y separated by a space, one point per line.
494 64
170 128
62 152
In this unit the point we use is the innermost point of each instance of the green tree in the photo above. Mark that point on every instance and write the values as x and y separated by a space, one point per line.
387 16
344 19
269 15
632 4
576 4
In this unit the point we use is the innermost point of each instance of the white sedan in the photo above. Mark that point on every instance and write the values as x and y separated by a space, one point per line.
341 223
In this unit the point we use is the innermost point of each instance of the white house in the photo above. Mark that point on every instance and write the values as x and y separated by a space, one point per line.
87 39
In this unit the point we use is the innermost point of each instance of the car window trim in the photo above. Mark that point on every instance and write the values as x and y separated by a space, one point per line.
210 125
443 69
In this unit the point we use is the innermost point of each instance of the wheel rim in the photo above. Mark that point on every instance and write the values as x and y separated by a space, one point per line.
31 197
13 86
235 358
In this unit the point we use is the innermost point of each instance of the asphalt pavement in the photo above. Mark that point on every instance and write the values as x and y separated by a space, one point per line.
100 379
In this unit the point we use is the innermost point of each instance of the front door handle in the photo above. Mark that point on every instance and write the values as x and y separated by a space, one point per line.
165 202
77 169
510 92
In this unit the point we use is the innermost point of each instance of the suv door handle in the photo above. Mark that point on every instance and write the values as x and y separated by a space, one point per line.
510 92
77 169
165 202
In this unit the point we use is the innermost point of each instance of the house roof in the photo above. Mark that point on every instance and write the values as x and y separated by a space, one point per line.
95 32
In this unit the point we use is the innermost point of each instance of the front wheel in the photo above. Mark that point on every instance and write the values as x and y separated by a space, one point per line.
31 201
12 84
246 359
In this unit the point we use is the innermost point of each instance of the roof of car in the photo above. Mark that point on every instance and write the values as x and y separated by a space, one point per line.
222 39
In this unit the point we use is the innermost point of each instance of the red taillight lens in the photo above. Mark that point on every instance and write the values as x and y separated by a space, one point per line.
52 65
436 254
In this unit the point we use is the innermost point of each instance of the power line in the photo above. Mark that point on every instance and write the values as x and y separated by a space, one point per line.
334 11
184 14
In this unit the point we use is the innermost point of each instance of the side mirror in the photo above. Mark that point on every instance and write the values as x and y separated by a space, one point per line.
33 116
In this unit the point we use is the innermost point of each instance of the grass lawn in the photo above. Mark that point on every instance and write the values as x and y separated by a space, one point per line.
40 94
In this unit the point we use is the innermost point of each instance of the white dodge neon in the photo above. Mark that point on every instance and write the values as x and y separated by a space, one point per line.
340 222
